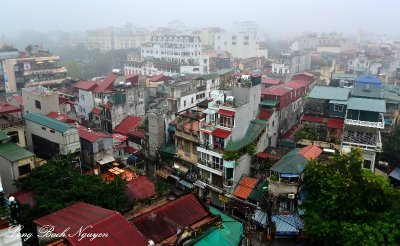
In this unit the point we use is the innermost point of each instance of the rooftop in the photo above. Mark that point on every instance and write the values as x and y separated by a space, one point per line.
278 90
48 122
60 117
330 93
255 128
12 152
6 108
140 188
292 164
245 187
97 220
310 152
368 79
85 85
364 104
92 136
107 84
130 126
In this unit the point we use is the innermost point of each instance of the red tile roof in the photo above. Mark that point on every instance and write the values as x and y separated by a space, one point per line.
96 111
85 85
221 133
312 119
18 99
132 75
6 108
107 84
335 123
225 112
25 197
120 137
140 188
245 187
266 156
275 91
61 117
310 152
92 136
264 114
294 84
270 81
129 126
96 220
161 222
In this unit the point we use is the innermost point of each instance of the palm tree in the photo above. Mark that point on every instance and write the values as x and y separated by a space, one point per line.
29 49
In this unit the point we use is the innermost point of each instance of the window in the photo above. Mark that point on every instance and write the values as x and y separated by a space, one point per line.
338 108
226 121
179 143
246 43
192 100
246 37
184 103
233 43
187 148
216 163
43 128
38 105
52 131
229 173
24 169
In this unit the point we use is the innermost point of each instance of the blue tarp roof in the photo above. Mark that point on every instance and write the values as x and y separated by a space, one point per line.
287 225
368 79
132 158
395 173
260 217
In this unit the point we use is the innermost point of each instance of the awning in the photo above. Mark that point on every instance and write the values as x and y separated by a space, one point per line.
221 133
229 164
395 174
210 111
226 113
120 137
106 159
163 172
312 119
269 102
186 184
287 225
200 184
174 177
335 123
266 156
260 217
289 175
132 158
181 168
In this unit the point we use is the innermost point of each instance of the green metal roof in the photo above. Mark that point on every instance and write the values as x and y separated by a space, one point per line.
48 122
230 233
344 76
269 102
371 92
330 93
364 104
258 191
293 164
391 97
292 152
253 131
13 152
3 136
168 148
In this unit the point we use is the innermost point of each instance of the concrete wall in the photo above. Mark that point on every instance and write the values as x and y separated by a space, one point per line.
49 103
157 129
21 134
242 167
86 103
8 67
9 172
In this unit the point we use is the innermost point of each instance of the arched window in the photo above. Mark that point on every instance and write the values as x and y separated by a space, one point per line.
175 39
154 39
196 40
159 39
180 40
170 40
165 40
186 40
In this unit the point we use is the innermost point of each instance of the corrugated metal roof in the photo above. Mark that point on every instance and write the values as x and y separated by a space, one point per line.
362 91
254 130
368 79
293 164
344 76
13 152
310 152
395 173
140 188
48 122
364 104
338 102
96 220
3 136
269 102
330 93
245 187
287 225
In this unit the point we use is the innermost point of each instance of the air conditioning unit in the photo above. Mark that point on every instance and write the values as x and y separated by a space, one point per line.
291 196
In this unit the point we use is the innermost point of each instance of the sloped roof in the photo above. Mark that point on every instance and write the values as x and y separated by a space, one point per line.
48 122
295 84
140 188
160 77
330 93
60 117
371 92
278 90
85 85
18 99
270 81
312 118
3 136
161 222
245 187
106 84
293 164
264 114
310 152
364 104
335 123
98 220
6 108
96 111
221 133
254 129
25 197
92 136
129 126
368 79
12 152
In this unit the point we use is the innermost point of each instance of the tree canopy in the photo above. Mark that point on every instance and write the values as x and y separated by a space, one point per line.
347 205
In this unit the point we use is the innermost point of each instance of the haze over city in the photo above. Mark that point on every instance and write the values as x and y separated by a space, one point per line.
279 18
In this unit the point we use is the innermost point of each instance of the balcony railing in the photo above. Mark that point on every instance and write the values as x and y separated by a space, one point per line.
380 124
367 141
11 124
206 126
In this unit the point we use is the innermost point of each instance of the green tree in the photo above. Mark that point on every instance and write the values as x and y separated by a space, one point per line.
346 205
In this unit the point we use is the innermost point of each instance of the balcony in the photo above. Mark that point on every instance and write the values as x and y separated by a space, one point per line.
208 166
282 187
206 126
5 124
380 124
366 141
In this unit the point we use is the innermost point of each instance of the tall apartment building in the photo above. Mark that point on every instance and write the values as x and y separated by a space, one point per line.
170 55
251 28
286 65
41 69
6 52
239 44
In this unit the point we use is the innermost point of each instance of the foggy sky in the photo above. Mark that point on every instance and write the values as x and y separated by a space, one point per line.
279 18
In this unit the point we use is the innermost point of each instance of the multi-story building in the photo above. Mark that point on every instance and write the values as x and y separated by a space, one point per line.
251 28
41 69
40 100
171 55
239 44
12 124
286 65
109 101
360 63
47 137
6 52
